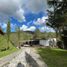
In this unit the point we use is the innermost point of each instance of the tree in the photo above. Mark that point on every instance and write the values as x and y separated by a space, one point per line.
36 34
8 32
57 18
18 34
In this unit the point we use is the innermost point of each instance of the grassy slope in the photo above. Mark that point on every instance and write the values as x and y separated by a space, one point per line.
28 36
3 45
54 57
23 36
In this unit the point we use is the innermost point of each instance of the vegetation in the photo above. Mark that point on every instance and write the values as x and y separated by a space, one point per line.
4 47
10 40
23 36
58 19
29 36
3 43
18 34
8 32
54 57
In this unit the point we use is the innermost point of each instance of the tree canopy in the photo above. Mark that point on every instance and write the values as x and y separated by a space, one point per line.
57 18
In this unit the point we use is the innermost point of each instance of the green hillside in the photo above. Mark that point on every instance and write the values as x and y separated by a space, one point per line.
3 43
4 50
23 36
28 36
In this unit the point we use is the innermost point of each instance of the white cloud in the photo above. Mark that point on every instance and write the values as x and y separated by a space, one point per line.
46 29
17 8
20 15
26 28
41 21
3 25
32 28
10 8
35 5
13 26
42 29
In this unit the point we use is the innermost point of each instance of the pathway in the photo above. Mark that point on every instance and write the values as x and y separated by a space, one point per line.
27 58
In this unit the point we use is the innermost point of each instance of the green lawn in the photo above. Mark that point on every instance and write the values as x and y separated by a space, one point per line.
54 57
4 45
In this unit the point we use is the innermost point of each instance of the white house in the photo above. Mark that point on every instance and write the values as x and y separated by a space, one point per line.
48 42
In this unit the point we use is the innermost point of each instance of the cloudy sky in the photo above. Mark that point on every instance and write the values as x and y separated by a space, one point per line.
29 15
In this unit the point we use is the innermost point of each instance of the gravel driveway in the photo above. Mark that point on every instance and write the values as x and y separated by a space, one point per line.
27 58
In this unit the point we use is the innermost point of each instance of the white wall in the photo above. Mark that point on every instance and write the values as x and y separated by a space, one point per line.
44 42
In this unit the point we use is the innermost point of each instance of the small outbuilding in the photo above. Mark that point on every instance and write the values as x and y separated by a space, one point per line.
48 42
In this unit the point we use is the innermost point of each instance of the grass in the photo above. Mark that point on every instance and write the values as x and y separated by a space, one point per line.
54 57
4 45
7 52
3 42
14 39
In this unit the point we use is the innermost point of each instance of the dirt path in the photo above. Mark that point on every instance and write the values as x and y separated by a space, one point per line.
27 58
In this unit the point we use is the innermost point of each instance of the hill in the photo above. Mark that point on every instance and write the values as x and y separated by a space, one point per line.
29 35
5 48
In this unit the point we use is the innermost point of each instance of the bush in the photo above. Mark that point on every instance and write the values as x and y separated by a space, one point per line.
4 49
60 44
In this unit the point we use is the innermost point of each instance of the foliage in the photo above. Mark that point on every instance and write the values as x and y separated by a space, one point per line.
29 36
57 18
18 33
35 35
4 46
2 41
8 31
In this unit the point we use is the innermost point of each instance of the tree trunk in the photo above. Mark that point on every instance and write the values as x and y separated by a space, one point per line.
62 43
64 38
56 37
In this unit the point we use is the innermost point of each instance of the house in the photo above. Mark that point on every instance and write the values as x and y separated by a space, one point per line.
41 42
49 42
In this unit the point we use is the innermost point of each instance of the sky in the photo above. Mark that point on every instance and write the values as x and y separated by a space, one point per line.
29 15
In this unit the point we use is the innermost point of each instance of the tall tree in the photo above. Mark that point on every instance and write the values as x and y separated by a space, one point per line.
8 32
18 34
57 17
